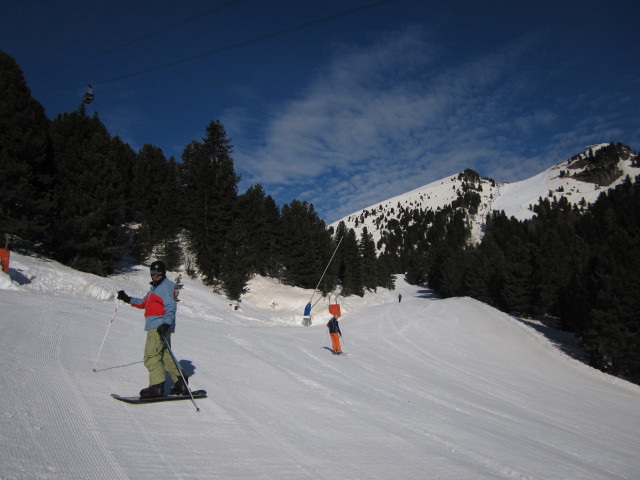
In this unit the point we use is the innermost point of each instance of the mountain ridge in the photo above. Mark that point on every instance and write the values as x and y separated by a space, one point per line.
568 178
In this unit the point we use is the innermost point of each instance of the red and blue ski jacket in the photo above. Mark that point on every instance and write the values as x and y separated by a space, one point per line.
159 305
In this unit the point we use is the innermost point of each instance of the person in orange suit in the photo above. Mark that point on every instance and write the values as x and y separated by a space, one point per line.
334 331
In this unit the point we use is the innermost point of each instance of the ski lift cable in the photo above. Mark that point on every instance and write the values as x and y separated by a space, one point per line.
246 42
143 37
323 273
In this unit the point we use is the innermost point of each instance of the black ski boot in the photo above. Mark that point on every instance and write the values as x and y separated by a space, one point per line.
180 388
153 391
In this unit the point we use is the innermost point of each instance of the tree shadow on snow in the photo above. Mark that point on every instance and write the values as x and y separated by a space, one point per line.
561 339
427 293
126 264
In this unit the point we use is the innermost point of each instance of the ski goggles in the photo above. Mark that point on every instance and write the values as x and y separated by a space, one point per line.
156 272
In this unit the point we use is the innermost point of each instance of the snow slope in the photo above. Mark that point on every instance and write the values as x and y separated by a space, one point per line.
437 389
515 199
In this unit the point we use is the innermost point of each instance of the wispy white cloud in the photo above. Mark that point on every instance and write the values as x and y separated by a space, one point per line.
383 120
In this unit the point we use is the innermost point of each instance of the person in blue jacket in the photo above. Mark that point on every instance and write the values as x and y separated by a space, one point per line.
159 306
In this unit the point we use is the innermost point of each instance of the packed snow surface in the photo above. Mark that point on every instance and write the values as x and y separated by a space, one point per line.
431 388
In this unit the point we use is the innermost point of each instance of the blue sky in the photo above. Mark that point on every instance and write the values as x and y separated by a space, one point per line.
344 103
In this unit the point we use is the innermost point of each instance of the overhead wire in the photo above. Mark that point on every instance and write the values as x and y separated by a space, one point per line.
248 41
143 37
323 273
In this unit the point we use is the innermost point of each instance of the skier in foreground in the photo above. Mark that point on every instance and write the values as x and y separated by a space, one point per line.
160 321
334 331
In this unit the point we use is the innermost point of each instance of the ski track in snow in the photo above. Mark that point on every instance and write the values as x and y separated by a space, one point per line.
438 389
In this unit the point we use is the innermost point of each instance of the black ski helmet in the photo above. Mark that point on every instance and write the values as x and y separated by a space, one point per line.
158 266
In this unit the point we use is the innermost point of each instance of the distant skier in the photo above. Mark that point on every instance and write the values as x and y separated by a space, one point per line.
160 321
334 331
399 297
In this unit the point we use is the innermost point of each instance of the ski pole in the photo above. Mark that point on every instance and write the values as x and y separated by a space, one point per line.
180 372
344 344
105 335
324 338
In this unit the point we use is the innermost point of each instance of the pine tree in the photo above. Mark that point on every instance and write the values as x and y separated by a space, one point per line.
480 277
306 246
369 260
446 272
236 262
159 207
417 267
210 186
166 217
88 224
350 271
125 158
260 217
25 156
386 269
611 329
516 277
149 177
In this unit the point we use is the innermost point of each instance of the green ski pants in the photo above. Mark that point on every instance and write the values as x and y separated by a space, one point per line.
157 358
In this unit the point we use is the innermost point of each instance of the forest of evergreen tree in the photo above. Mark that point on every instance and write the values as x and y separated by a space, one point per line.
73 192
582 267
87 199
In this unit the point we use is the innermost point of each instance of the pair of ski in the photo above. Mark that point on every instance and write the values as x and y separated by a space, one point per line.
167 398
